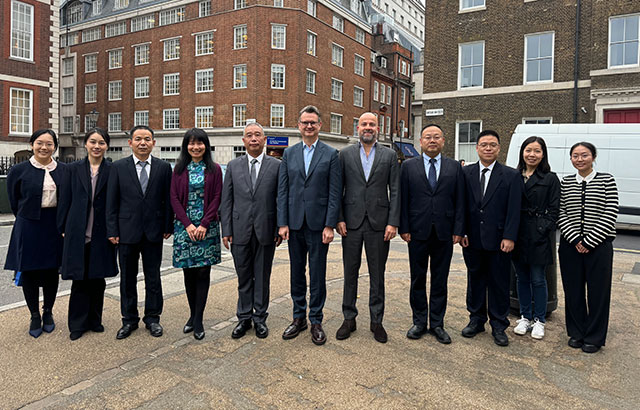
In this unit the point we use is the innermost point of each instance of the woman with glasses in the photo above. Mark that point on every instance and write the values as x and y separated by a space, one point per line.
588 212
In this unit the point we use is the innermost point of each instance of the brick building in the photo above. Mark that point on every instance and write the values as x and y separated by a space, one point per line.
494 64
176 64
28 71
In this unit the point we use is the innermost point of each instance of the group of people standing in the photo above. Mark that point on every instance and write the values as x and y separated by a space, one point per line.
74 218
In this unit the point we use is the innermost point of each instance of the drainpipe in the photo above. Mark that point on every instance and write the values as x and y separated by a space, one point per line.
576 64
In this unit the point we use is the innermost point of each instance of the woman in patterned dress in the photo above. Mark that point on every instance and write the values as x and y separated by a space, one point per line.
196 187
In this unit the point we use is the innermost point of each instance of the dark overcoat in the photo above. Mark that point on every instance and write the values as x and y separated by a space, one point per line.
74 207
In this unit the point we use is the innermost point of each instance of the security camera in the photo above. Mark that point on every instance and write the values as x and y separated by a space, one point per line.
584 110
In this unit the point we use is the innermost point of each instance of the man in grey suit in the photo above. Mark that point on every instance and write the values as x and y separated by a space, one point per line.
370 214
309 190
248 215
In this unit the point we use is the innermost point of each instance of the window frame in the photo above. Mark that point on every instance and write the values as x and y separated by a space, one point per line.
335 116
339 85
115 56
136 88
167 89
312 43
306 81
271 116
337 47
137 52
87 93
237 121
526 59
637 63
275 37
236 32
274 73
166 47
202 81
167 111
460 68
112 88
200 40
200 125
136 114
111 117
457 138
361 90
16 115
68 97
482 6
355 65
238 75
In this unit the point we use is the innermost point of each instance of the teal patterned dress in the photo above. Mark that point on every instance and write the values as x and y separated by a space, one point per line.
186 253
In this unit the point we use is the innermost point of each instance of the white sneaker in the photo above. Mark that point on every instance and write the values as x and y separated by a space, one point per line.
523 326
537 332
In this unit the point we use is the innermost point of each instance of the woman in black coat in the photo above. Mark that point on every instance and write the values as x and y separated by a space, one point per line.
88 256
35 248
534 247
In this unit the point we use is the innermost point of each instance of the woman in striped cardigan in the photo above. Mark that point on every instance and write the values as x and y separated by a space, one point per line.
588 212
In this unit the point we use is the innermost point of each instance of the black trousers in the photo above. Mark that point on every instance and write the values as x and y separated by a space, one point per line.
129 254
377 251
253 263
488 280
196 285
586 279
435 306
32 281
86 300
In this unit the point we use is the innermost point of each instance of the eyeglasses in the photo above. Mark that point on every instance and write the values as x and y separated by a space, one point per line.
489 145
309 123
582 156
431 137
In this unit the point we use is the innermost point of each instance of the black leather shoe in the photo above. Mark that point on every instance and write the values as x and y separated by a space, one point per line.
241 328
318 337
344 331
589 348
155 329
198 335
575 343
126 330
187 328
472 329
441 335
416 332
97 329
378 332
262 330
75 335
35 325
294 329
47 321
500 338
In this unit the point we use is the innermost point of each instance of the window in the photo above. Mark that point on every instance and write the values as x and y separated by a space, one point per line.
142 23
277 115
115 29
96 7
375 91
311 43
358 96
91 34
311 7
120 4
471 63
22 30
336 123
382 93
240 76
115 90
278 3
20 111
388 94
239 4
204 117
171 84
403 97
403 67
360 36
278 36
171 119
538 50
172 49
204 8
359 65
69 39
240 37
115 121
467 136
204 80
381 123
353 4
624 40
89 123
355 127
471 4
204 43
338 23
141 54
388 125
547 120
67 125
74 13
141 118
67 66
336 89
67 95
311 82
90 93
239 150
141 86
115 59
337 54
171 16
239 115
277 76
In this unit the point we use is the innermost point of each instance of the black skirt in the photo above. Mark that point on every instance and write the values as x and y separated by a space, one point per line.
35 244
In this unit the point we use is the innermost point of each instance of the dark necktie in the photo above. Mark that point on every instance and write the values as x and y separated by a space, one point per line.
144 177
482 181
254 174
433 179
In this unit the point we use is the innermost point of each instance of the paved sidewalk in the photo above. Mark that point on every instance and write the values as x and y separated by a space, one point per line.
176 371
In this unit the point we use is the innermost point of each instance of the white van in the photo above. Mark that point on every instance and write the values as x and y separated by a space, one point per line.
618 153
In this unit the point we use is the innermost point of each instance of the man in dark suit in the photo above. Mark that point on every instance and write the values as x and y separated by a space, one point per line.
309 191
370 214
492 215
432 220
139 217
248 215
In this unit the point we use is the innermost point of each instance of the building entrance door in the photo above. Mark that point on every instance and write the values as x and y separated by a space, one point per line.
622 116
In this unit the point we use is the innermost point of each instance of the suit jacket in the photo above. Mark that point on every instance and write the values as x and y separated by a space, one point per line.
379 197
130 214
212 190
244 209
24 188
424 208
74 206
495 217
314 197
